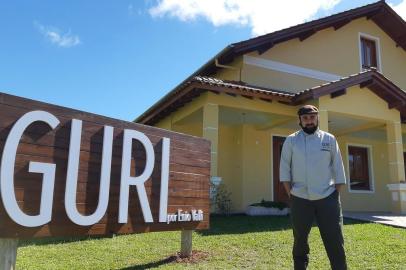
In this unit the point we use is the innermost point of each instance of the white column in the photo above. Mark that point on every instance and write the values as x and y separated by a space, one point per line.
396 167
210 132
323 120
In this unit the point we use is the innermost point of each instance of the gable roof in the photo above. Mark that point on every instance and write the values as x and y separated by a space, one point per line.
191 89
379 12
371 79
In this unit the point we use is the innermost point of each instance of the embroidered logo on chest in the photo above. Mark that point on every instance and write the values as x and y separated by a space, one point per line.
325 146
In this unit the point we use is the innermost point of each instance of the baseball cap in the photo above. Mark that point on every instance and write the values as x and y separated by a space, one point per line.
307 109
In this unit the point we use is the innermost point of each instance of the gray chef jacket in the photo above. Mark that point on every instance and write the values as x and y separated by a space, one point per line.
312 163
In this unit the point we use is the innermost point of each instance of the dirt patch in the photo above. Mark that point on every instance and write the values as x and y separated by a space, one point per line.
196 257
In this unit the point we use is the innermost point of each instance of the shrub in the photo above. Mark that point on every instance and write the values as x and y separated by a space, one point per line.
222 200
270 204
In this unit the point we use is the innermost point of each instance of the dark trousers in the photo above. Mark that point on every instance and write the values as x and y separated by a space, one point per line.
328 215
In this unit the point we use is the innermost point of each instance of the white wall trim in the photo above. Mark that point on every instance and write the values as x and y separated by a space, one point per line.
271 144
378 50
291 69
370 169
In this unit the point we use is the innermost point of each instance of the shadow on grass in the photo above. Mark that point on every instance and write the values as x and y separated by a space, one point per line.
151 265
239 224
351 221
232 224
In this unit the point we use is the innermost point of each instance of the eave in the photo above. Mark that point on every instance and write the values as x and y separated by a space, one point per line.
371 79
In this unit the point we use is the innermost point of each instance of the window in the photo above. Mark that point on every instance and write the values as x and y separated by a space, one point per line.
359 168
368 53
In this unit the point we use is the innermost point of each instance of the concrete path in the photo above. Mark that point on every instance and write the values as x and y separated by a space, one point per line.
378 217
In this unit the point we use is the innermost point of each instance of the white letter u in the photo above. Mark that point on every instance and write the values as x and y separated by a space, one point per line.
73 171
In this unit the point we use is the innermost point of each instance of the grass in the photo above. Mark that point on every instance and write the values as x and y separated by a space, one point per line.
236 242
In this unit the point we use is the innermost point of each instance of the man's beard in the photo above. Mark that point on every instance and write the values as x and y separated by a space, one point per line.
309 129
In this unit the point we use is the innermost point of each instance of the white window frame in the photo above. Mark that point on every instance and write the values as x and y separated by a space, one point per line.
370 169
378 50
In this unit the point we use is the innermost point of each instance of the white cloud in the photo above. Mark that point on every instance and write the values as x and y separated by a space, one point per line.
130 9
56 37
262 16
400 9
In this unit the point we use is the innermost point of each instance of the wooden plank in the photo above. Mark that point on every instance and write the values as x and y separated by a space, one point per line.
95 122
188 185
99 229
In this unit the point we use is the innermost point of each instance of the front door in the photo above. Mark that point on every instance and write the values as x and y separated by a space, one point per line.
279 193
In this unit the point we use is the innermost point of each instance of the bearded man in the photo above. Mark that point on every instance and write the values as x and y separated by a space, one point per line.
312 172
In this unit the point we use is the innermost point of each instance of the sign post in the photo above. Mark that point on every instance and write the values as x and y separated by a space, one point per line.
70 173
8 253
186 243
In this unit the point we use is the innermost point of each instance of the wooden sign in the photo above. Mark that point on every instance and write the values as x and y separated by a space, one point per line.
65 172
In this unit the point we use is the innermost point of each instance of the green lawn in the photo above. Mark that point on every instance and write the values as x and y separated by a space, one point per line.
234 242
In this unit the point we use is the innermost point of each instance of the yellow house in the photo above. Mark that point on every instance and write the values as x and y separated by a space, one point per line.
351 65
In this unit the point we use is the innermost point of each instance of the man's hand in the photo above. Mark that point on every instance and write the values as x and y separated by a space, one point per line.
339 187
287 186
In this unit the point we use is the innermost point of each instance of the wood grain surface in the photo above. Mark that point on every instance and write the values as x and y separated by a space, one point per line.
189 172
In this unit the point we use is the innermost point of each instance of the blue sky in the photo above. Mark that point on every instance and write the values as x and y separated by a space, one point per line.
117 58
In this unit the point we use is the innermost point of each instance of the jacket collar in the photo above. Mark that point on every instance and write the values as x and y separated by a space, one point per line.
316 133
